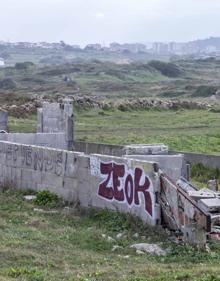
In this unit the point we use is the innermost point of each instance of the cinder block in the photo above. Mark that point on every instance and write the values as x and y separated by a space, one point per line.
71 165
26 177
84 162
1 170
7 173
41 187
52 180
16 174
37 177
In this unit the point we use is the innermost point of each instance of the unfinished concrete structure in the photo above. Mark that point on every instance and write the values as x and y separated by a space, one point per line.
55 126
144 180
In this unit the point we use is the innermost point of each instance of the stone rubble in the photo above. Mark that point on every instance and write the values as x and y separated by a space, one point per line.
35 102
149 248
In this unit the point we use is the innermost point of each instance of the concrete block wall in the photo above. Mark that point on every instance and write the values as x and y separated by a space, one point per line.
95 181
99 148
173 165
211 161
53 140
4 121
119 150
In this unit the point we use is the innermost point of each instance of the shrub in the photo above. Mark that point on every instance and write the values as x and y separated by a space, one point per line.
202 174
204 91
24 65
7 83
46 198
167 69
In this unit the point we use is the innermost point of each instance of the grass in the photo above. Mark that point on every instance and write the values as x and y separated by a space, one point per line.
201 174
185 130
23 125
69 246
182 130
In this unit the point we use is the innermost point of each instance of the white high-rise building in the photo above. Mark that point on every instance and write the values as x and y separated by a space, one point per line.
2 63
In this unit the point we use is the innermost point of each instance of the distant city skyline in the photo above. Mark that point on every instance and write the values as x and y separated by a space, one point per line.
94 21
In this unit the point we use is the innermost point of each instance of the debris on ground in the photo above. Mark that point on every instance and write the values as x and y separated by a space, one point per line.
29 197
149 248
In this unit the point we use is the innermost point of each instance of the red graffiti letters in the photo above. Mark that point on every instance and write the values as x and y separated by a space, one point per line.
124 187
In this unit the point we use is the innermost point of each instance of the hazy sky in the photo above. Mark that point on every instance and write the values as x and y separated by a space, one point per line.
104 21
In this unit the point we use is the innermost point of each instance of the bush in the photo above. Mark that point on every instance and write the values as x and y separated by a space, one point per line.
24 65
7 84
167 69
202 174
46 198
172 94
204 91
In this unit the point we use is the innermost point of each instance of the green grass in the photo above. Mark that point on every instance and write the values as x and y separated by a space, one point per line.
69 246
23 125
186 130
183 130
202 174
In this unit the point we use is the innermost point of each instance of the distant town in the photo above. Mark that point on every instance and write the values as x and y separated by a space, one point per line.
128 51
203 46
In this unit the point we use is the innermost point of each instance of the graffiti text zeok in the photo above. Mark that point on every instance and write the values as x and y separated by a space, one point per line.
128 188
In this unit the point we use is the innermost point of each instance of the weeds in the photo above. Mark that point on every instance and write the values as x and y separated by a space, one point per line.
46 198
202 174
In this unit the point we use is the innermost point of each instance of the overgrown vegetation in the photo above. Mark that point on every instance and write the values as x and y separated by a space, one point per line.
46 198
182 130
167 69
204 91
7 84
202 174
69 246
131 78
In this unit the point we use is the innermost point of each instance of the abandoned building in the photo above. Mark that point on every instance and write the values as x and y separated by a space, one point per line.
146 180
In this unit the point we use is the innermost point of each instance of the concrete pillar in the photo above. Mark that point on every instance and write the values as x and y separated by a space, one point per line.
4 121
39 120
69 133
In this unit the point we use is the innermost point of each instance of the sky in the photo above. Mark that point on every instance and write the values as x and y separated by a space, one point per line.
104 21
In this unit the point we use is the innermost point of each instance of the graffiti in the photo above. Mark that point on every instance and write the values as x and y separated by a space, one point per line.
32 157
122 185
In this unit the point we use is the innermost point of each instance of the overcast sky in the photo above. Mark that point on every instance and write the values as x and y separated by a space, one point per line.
104 21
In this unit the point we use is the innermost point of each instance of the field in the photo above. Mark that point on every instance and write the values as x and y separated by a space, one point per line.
184 130
68 245
180 78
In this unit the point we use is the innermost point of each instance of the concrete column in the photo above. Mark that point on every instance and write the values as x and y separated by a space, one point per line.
69 133
4 121
39 120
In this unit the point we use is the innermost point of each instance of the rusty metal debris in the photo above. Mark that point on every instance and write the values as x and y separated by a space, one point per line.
193 213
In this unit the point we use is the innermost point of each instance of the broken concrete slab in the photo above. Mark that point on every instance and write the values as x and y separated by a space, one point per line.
145 149
197 195
30 197
149 248
210 205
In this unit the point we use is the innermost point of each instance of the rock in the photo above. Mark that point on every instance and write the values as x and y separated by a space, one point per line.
116 247
45 212
136 235
119 236
124 257
108 238
29 197
143 237
139 252
150 248
34 223
213 185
